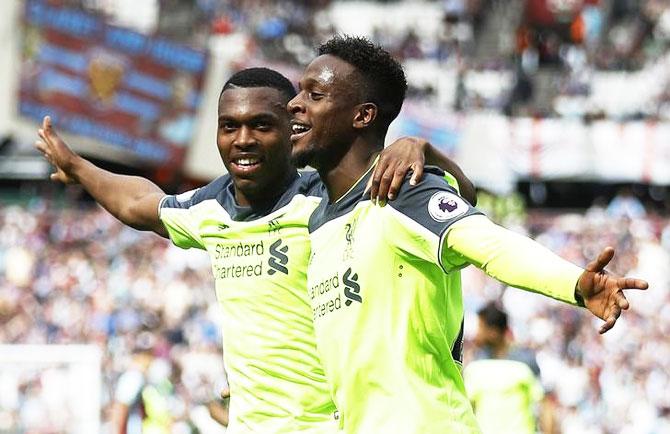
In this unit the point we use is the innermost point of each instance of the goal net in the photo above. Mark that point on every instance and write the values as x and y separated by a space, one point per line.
50 389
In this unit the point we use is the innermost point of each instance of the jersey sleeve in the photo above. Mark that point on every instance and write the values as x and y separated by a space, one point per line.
128 388
423 213
180 221
511 258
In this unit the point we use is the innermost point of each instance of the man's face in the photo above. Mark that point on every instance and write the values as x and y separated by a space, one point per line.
487 335
323 111
253 138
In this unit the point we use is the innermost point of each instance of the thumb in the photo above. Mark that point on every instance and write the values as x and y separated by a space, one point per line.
601 261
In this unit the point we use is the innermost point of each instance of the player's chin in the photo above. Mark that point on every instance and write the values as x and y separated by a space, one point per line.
302 157
249 185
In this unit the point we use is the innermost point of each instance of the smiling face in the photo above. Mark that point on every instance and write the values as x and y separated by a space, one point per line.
324 111
253 140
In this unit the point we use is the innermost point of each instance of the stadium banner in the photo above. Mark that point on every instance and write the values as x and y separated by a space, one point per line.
135 93
549 149
441 128
497 151
605 151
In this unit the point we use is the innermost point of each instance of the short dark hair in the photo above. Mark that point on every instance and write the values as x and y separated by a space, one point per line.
384 79
261 77
493 316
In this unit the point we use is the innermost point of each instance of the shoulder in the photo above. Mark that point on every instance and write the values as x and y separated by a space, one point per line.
187 199
525 356
309 183
433 202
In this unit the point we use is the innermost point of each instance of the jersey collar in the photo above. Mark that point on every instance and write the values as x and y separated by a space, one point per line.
363 180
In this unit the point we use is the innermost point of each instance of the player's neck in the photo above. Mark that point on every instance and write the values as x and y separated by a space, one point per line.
341 176
266 196
500 350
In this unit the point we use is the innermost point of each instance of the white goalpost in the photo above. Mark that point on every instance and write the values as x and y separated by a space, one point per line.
50 388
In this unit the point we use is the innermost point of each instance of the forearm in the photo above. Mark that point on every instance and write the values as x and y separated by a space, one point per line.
512 258
131 199
547 418
466 187
119 418
218 412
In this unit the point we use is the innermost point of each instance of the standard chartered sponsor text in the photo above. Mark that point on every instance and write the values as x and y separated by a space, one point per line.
239 250
226 266
327 302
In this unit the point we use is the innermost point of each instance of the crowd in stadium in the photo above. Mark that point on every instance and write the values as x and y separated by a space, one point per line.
569 43
74 275
70 273
519 57
78 276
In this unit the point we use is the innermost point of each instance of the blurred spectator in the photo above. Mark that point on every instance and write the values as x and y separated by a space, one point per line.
601 384
144 401
625 204
503 382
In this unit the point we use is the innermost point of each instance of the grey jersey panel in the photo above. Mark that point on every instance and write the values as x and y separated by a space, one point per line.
411 201
223 191
432 203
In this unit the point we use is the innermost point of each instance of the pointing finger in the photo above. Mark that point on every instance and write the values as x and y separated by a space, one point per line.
601 262
631 283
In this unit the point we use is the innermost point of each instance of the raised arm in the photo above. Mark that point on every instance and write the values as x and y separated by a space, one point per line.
131 199
412 153
523 263
436 158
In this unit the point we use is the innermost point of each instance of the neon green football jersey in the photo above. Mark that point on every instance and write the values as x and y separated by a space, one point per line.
504 394
259 259
388 309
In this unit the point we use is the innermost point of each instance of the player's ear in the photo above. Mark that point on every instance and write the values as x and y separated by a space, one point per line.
365 114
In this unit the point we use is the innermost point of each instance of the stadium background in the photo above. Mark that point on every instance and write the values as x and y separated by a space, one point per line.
557 109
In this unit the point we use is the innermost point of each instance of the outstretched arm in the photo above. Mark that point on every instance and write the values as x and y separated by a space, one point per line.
602 292
131 199
412 153
523 263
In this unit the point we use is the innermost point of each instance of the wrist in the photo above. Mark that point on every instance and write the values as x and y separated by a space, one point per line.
429 153
75 167
579 298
